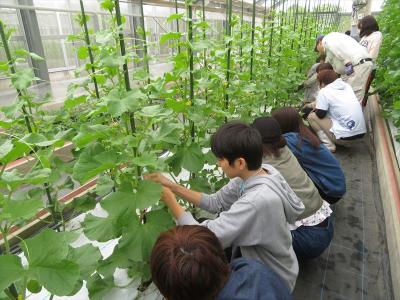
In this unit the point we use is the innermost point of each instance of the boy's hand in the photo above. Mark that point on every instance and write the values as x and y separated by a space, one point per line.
168 197
159 178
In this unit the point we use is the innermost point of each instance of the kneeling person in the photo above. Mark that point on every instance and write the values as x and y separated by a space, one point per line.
254 208
338 118
188 262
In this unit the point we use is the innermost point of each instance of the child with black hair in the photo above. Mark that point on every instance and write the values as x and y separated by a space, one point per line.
188 262
254 208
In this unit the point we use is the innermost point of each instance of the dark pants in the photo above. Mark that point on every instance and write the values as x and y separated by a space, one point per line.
310 241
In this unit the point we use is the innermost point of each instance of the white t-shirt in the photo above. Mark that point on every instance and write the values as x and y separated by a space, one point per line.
341 49
343 109
373 43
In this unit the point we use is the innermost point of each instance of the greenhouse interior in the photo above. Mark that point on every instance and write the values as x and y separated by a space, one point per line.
199 149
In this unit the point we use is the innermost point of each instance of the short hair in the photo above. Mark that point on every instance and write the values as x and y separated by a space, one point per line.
188 262
271 135
235 140
324 66
347 32
368 25
290 120
326 76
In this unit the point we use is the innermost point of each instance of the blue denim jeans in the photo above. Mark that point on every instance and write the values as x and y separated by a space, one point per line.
310 241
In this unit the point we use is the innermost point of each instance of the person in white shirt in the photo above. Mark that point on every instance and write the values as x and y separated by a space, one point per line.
338 117
348 58
371 39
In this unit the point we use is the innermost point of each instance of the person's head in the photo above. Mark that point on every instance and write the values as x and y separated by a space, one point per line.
318 45
188 262
367 25
326 77
324 66
347 32
238 148
271 135
290 120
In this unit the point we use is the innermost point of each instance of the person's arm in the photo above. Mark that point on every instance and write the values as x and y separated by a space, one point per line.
374 46
169 199
214 203
321 113
186 194
310 81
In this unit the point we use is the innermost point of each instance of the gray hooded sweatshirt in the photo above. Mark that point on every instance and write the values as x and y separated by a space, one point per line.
254 215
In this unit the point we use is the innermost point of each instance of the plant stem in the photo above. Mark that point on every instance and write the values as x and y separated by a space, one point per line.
177 23
87 41
145 56
228 55
190 55
253 26
4 233
13 71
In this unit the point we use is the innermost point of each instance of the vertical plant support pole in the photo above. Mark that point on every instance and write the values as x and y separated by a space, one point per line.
190 55
229 46
26 116
177 23
203 17
12 69
125 65
89 48
317 18
271 35
295 21
263 25
145 56
241 38
253 26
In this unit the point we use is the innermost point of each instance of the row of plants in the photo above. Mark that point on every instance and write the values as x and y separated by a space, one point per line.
388 72
121 124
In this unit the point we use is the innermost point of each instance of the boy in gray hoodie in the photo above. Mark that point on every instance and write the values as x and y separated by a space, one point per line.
254 208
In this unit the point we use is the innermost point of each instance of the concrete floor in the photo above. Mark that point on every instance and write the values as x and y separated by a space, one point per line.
356 265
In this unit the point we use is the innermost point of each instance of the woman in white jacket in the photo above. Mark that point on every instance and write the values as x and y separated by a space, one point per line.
371 38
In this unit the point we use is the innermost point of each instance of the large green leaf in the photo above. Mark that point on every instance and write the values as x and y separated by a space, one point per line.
47 258
116 260
118 103
19 150
86 257
148 193
89 133
120 207
15 211
22 79
72 102
99 287
38 140
58 278
5 148
138 239
191 158
104 185
170 36
148 160
11 270
14 178
168 133
92 161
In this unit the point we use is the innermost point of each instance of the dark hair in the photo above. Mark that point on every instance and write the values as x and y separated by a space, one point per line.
324 66
188 262
326 76
347 32
290 120
368 25
271 135
235 140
